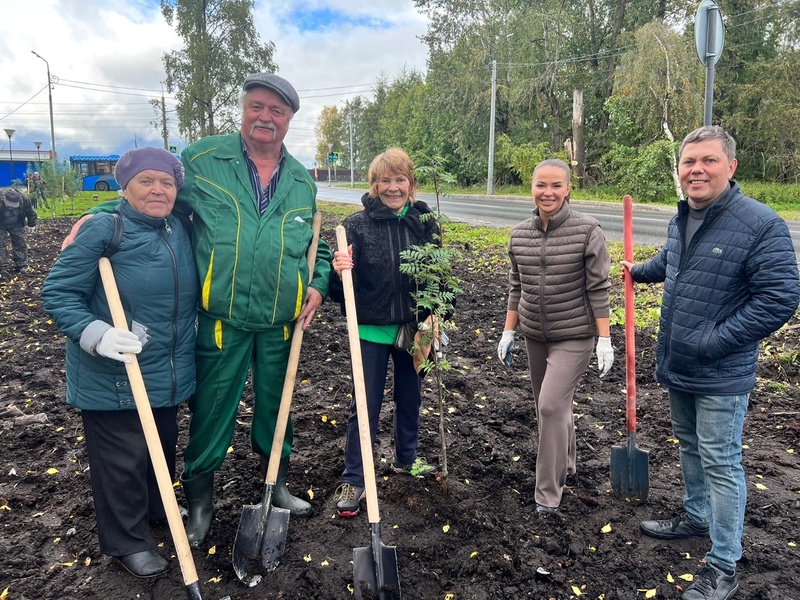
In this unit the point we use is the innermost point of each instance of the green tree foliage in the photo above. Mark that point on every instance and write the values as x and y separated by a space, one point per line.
331 132
221 47
659 81
61 180
634 61
644 173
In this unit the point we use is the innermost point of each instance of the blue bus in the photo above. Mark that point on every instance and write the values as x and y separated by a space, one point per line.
97 171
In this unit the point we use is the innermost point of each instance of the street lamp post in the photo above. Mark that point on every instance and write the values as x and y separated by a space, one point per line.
9 133
50 98
38 157
492 111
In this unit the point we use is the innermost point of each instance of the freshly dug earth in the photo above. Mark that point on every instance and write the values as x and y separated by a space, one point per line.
483 540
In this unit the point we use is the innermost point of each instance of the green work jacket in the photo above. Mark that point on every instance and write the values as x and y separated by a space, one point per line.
253 269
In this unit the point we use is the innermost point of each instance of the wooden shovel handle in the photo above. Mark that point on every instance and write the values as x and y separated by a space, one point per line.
630 317
150 432
358 383
291 368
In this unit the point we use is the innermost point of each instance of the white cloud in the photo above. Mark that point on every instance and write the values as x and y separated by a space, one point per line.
107 58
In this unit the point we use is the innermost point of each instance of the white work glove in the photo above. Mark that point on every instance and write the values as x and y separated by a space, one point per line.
115 342
605 355
30 229
505 346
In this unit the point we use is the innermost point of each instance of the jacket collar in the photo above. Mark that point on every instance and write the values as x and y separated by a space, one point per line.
556 220
378 211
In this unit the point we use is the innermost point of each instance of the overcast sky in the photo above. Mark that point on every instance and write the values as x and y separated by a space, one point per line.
106 56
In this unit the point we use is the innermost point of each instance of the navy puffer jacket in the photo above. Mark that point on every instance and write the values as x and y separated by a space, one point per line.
736 284
155 272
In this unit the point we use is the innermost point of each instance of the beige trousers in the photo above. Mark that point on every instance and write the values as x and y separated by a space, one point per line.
555 370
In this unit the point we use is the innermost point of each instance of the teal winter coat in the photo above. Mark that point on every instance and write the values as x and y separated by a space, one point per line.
157 281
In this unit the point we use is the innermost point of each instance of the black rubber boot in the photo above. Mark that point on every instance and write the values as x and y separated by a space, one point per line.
281 497
200 496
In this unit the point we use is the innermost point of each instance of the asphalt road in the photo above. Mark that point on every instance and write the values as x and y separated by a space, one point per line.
649 222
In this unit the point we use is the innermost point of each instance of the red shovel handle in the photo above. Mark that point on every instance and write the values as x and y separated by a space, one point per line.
630 339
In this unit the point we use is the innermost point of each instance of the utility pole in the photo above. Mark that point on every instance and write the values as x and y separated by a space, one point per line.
578 154
490 177
352 173
50 99
164 133
330 147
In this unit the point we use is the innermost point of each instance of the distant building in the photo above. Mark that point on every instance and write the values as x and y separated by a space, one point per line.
22 158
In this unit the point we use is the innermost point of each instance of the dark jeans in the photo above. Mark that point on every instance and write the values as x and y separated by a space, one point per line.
19 248
407 394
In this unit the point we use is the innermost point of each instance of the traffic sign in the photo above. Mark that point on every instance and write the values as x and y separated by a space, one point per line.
173 149
333 157
708 18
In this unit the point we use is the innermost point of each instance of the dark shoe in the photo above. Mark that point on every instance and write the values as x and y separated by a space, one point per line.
349 499
200 497
143 564
419 468
711 583
681 526
541 508
282 498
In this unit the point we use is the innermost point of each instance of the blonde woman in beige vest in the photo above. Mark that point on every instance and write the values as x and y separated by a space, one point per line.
558 295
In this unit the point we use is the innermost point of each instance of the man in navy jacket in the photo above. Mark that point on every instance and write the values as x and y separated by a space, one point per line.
730 279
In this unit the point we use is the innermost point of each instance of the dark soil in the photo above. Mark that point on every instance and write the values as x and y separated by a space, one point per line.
483 540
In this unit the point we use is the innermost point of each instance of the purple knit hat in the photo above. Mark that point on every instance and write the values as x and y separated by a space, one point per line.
142 159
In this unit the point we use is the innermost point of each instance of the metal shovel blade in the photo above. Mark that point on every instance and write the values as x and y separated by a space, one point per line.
262 527
375 571
630 474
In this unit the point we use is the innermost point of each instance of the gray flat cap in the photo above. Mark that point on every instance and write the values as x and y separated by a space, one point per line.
275 84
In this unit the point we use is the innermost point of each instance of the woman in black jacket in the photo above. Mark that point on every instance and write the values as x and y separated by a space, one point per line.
390 223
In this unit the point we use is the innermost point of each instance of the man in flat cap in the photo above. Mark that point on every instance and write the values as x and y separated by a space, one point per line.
252 206
16 217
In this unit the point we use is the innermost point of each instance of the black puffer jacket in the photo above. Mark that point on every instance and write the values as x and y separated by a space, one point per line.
383 294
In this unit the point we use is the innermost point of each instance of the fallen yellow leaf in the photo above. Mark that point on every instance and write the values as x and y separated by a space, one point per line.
52 471
212 550
515 459
324 563
576 590
606 528
474 554
670 578
687 577
324 418
445 528
761 486
215 579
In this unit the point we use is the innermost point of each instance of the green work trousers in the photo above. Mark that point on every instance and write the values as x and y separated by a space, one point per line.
225 355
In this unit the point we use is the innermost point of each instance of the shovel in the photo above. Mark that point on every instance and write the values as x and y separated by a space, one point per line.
153 442
375 567
261 537
629 469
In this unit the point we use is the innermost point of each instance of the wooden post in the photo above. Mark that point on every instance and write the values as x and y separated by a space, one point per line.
578 150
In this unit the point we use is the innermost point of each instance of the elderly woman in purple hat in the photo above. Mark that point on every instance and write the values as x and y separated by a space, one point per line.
151 255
